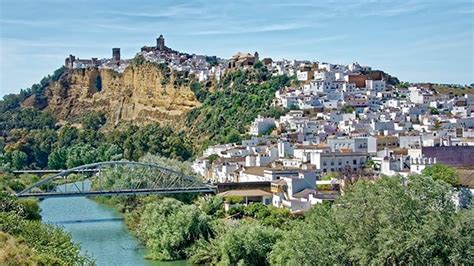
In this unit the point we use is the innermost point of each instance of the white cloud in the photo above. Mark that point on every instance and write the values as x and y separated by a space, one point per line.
257 29
176 11
26 22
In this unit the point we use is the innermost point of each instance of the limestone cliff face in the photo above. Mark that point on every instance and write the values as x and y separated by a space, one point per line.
141 95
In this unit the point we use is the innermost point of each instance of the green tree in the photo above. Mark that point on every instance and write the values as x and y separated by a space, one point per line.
81 154
403 85
269 215
442 172
244 243
57 159
212 158
347 109
9 102
317 240
68 136
434 111
18 159
31 209
463 235
94 121
107 152
211 205
169 227
381 222
233 136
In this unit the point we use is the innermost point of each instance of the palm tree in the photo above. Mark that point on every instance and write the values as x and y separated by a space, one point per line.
437 125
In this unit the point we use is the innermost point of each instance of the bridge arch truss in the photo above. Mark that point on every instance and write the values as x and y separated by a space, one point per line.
116 178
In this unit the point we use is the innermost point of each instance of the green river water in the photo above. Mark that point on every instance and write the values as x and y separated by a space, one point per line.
99 230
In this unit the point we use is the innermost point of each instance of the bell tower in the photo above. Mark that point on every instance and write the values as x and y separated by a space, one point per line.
160 43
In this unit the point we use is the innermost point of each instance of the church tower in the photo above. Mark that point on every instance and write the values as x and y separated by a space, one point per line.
256 56
160 43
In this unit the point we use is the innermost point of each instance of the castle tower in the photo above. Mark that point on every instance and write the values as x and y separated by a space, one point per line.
116 54
256 56
160 43
69 62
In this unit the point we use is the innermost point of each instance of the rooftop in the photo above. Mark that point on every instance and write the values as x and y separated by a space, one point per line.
245 193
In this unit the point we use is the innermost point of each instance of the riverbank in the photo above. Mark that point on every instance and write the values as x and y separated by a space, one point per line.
25 240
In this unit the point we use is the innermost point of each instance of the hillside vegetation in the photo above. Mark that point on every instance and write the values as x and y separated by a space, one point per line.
43 136
235 101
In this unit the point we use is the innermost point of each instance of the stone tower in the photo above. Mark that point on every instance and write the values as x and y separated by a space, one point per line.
116 54
160 43
256 56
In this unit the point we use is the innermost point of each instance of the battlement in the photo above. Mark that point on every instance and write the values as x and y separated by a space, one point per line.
417 165
423 161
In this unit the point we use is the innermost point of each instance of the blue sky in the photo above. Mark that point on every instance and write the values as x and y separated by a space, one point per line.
424 40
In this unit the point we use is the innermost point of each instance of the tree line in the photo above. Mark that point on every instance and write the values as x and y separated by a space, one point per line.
39 144
387 221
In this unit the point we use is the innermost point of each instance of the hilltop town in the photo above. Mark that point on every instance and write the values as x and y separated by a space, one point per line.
289 150
343 122
212 67
276 133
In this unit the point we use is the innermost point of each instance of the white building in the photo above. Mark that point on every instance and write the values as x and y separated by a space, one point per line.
302 75
375 85
261 125
338 161
296 193
418 164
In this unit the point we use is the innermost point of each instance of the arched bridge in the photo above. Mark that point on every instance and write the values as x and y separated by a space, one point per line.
116 178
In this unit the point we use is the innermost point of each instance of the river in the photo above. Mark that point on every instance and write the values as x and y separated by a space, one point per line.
99 229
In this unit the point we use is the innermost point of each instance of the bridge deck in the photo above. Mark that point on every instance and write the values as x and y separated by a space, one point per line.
123 192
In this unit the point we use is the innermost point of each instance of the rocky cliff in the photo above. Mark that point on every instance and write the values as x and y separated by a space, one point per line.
142 94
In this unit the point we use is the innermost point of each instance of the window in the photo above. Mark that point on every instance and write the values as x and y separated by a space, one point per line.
332 162
354 162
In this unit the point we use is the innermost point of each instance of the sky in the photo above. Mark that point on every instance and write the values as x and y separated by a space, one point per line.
415 40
